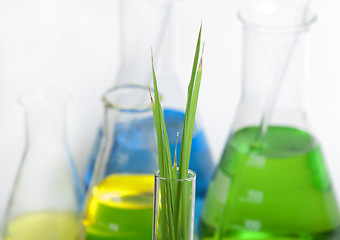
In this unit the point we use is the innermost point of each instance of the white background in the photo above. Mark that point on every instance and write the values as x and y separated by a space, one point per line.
72 44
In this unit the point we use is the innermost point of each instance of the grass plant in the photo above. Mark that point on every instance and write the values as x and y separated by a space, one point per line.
173 222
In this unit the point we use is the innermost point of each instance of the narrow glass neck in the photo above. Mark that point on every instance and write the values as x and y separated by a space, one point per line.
146 24
141 28
274 73
274 63
45 128
128 133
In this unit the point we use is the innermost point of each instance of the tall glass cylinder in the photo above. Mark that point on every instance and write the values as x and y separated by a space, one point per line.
45 200
272 180
174 205
119 200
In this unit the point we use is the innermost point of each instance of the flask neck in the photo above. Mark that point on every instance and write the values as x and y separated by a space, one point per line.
156 24
274 67
129 139
45 128
45 110
142 25
274 74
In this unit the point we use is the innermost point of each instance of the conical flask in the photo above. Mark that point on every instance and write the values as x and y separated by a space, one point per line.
141 26
157 24
272 181
45 200
119 202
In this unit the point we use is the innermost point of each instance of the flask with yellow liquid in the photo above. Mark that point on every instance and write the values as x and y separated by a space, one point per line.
44 203
119 203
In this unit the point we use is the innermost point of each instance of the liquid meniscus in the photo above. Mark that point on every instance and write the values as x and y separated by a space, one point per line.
49 225
276 189
120 207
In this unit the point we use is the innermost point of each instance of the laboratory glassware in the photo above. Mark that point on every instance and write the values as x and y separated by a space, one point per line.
119 201
141 24
45 200
164 227
157 24
272 181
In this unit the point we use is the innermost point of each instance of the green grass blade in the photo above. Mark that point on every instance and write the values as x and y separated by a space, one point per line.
165 223
174 167
159 137
192 112
185 215
167 147
168 173
189 133
161 126
166 157
174 187
194 67
175 199
184 155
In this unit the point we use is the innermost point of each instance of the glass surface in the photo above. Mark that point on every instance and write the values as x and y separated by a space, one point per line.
272 181
158 24
172 221
120 208
45 200
281 186
55 225
119 201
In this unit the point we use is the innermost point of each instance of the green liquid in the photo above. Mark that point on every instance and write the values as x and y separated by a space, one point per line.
278 189
120 207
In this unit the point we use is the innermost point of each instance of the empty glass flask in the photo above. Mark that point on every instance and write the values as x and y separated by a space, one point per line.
272 182
158 24
119 200
45 200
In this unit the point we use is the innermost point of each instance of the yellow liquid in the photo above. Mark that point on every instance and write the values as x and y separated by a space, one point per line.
43 226
120 207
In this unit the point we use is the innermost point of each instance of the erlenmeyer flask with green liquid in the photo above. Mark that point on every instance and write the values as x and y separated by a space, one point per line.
272 182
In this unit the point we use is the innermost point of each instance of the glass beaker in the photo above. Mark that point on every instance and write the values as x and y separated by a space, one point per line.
119 202
157 24
45 200
272 181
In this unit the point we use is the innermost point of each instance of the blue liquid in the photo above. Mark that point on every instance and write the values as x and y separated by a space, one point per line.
134 153
134 149
201 161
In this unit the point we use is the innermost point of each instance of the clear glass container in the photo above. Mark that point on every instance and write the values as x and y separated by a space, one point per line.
45 200
272 181
119 200
158 24
142 24
180 225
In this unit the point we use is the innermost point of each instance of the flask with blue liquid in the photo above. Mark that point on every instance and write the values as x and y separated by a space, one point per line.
145 24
